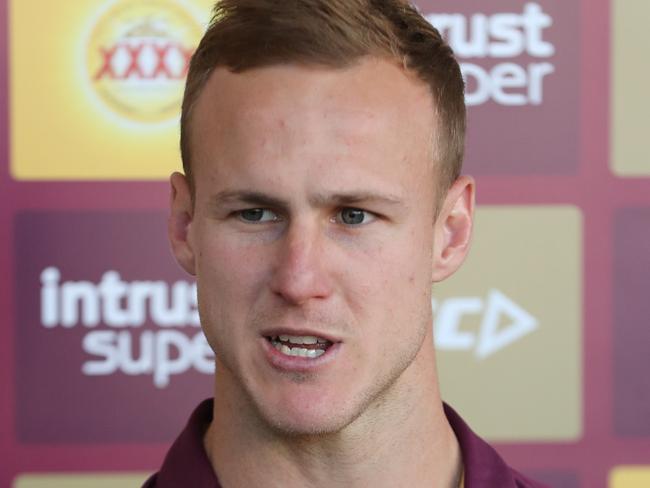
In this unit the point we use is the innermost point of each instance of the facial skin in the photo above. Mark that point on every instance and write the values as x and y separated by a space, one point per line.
315 215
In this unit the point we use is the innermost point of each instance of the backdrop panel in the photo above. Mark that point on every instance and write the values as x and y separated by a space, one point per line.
542 337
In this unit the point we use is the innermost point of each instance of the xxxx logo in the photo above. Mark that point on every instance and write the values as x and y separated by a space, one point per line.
138 55
145 60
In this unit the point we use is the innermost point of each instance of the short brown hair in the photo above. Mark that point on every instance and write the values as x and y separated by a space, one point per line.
246 34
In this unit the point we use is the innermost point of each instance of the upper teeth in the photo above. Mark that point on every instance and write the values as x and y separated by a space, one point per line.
280 343
301 339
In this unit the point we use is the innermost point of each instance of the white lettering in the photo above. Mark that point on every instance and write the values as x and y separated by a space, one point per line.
165 313
478 77
536 74
168 340
99 343
131 365
508 75
448 334
77 295
466 42
535 21
114 290
503 35
116 303
500 321
500 35
138 292
162 354
494 336
524 85
510 41
50 297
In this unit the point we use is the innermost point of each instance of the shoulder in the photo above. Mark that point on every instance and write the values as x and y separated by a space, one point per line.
151 482
482 463
186 462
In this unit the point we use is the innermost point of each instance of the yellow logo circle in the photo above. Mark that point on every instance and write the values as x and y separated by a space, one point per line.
138 56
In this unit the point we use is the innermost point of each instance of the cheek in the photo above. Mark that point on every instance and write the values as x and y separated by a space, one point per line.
230 279
227 261
405 264
394 278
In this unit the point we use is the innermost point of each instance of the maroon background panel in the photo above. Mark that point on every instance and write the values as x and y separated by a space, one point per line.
55 401
540 134
632 316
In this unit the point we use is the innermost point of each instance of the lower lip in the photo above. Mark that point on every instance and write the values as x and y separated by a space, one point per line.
298 364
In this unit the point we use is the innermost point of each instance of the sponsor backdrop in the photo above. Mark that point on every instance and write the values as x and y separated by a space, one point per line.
543 336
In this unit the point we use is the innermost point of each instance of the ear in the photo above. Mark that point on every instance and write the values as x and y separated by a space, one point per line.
453 228
180 221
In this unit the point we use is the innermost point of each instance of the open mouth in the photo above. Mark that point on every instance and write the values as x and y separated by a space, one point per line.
302 346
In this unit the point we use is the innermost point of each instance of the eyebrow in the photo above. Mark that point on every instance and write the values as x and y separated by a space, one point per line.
351 198
320 200
250 197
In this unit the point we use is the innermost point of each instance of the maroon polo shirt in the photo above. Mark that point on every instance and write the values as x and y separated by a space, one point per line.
187 463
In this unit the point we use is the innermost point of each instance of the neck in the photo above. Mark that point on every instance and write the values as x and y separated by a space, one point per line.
402 440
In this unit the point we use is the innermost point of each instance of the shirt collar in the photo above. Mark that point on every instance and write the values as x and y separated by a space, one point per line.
187 463
482 464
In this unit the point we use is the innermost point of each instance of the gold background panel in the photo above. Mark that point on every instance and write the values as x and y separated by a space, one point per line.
630 477
508 325
67 122
630 82
85 480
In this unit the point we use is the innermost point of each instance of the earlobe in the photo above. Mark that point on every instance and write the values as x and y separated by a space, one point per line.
453 228
179 222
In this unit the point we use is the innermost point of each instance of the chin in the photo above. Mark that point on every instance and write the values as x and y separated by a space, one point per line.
308 425
295 413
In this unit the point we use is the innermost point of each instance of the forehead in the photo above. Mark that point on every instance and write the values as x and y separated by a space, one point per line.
374 107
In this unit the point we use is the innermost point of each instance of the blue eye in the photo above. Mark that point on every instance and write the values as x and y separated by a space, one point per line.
257 215
355 216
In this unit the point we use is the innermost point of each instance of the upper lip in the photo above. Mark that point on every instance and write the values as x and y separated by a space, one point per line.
299 332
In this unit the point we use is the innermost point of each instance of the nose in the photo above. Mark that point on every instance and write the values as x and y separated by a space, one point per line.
300 273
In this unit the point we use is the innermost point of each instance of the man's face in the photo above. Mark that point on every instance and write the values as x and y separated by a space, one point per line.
313 222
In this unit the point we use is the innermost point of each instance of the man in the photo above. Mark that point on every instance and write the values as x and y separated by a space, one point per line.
322 142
